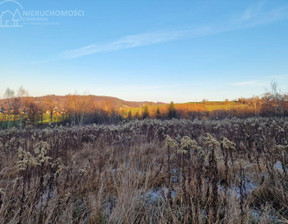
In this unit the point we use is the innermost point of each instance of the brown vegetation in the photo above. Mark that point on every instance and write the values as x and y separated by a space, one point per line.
151 171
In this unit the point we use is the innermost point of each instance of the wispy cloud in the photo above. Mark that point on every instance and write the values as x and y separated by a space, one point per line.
130 41
139 40
262 81
253 16
258 15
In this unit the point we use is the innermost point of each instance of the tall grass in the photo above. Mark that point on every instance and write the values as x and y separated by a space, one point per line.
151 171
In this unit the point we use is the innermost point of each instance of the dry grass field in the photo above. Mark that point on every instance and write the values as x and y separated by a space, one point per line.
149 171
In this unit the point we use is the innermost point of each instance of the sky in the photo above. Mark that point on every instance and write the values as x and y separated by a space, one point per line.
150 50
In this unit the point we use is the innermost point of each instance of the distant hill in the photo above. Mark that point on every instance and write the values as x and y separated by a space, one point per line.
134 108
61 105
99 101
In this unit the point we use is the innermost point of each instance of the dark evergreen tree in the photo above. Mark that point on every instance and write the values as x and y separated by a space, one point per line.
158 113
145 113
172 111
129 117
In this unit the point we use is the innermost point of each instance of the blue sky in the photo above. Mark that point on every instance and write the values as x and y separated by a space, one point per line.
148 50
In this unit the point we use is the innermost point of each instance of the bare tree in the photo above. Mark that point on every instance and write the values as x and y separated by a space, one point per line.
274 101
256 103
20 94
50 104
17 105
32 109
9 95
78 107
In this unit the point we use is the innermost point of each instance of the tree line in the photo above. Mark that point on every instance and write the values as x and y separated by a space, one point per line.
21 110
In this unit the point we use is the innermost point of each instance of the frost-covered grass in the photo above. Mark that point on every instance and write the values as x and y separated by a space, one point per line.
151 171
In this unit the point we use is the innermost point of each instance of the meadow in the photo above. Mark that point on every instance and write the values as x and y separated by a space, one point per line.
144 112
149 171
